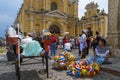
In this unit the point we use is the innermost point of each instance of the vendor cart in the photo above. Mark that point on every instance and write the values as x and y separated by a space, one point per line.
18 58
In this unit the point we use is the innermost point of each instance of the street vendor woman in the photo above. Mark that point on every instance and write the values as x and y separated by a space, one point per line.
46 43
102 53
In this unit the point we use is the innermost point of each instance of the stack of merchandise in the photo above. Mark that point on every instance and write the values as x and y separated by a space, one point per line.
66 60
62 60
83 68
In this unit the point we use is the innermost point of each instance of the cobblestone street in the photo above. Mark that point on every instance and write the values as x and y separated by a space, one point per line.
60 40
35 72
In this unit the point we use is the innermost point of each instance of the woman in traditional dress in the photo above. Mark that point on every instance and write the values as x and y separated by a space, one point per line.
102 53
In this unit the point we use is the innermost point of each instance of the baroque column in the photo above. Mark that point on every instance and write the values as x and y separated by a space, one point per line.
114 26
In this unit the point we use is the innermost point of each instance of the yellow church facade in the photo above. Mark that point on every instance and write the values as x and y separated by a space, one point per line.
60 16
54 15
95 19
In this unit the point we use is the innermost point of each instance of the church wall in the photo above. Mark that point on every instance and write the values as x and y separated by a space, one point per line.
96 20
30 21
113 24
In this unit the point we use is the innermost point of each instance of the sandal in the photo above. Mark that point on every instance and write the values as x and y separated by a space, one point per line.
107 62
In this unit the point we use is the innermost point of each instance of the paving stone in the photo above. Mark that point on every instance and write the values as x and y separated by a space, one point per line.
33 72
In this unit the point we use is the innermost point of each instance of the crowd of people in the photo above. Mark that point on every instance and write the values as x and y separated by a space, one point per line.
83 43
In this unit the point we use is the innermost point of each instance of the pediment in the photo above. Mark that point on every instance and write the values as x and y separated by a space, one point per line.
57 13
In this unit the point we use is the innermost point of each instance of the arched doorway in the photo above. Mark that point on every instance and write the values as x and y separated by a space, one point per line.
54 29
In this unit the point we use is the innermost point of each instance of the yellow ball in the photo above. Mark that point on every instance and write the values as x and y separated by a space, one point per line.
72 63
56 58
71 58
67 54
84 72
94 73
97 69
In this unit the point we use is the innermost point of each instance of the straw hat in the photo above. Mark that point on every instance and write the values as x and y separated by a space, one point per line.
47 33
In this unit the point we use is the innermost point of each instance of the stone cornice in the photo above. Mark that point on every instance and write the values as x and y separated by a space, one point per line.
57 13
74 1
114 33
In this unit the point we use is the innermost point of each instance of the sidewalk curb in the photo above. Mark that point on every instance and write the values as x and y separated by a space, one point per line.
111 71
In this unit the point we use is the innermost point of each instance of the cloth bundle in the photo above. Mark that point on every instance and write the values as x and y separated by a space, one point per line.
32 48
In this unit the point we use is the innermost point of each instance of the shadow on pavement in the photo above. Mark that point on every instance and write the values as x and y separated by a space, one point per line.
25 75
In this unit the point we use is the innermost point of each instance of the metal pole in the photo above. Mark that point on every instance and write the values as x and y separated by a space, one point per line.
18 46
42 13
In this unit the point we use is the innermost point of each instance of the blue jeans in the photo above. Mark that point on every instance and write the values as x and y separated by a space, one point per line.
98 60
53 48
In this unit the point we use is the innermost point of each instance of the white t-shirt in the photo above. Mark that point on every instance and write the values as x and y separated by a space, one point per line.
82 41
26 40
72 40
60 40
82 38
102 52
67 46
11 32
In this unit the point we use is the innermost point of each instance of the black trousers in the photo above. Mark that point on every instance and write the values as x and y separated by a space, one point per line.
84 53
87 52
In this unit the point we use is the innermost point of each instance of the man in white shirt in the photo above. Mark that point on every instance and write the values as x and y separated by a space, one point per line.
83 44
11 32
68 46
73 42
